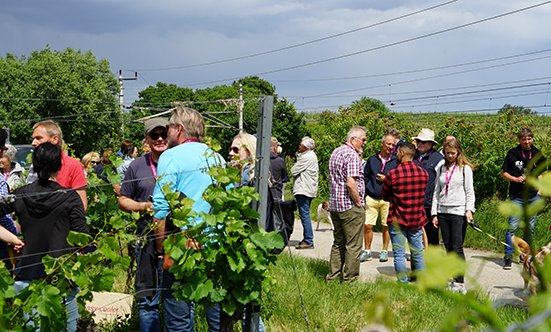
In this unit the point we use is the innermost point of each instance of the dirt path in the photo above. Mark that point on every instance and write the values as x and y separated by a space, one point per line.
503 286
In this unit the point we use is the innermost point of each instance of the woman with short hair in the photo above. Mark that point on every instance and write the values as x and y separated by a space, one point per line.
12 171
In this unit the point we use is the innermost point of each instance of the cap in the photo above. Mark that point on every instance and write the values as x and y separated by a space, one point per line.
154 123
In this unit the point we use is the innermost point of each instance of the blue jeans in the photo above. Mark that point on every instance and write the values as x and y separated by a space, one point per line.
70 304
415 239
148 308
303 203
513 227
179 315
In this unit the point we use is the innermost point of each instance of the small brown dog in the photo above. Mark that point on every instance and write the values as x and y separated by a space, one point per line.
530 274
323 212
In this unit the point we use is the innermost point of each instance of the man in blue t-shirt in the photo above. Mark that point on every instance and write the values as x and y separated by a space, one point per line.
136 196
182 167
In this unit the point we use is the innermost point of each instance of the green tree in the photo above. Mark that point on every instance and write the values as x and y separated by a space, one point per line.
151 101
367 112
70 87
288 125
516 110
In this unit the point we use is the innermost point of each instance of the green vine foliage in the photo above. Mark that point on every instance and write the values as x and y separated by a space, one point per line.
41 301
235 252
485 138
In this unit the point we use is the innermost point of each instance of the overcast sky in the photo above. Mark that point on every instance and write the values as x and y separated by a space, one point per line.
397 61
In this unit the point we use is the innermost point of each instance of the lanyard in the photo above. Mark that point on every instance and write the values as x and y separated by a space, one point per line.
353 148
383 161
530 156
8 174
450 178
153 168
425 155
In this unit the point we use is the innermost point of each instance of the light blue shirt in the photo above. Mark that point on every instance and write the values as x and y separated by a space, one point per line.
184 168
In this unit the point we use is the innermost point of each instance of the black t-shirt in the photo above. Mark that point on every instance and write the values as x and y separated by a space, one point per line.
139 183
515 164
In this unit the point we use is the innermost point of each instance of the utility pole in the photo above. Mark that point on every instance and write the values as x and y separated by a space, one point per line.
240 107
121 96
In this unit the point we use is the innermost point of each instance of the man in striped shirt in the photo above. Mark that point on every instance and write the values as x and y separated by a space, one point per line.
404 187
346 204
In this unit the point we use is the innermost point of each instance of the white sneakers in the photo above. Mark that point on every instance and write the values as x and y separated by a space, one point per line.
457 287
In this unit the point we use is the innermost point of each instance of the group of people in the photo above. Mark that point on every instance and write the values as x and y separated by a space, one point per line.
45 219
420 195
415 190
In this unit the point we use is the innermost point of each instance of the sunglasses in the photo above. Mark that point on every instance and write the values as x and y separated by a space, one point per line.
94 162
421 142
234 149
155 136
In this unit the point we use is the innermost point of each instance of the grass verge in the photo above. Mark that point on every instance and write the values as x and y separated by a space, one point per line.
343 307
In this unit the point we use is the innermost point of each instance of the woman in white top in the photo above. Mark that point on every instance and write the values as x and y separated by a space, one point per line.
453 201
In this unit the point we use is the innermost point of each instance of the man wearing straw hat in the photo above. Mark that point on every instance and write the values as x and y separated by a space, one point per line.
430 160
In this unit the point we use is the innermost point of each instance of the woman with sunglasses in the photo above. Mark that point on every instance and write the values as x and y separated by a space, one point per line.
243 155
90 160
453 202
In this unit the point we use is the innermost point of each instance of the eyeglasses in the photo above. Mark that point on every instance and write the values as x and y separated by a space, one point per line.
94 162
4 149
234 149
361 139
155 136
421 142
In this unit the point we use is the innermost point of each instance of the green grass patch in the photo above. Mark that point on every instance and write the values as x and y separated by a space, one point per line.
343 307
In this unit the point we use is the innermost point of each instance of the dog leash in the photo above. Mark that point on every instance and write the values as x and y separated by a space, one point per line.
476 227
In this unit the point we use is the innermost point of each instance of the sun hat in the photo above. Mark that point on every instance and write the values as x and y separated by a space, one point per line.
426 135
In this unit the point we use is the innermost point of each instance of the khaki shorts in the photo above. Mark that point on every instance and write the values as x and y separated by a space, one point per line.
372 209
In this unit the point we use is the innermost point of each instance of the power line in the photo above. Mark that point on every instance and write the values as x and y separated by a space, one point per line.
428 77
471 92
415 70
440 102
300 44
428 90
383 46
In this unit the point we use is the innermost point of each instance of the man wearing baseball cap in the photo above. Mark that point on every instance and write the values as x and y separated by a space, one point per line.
430 160
136 192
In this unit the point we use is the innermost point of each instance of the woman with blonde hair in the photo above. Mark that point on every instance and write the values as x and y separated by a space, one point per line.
453 202
90 160
243 155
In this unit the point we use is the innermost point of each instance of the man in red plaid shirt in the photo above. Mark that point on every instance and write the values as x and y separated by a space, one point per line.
346 204
404 187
